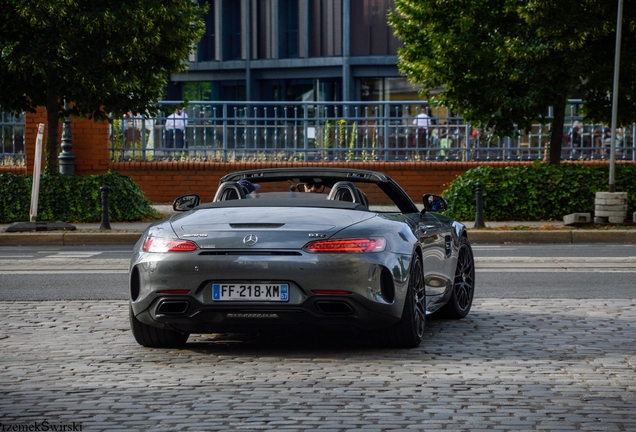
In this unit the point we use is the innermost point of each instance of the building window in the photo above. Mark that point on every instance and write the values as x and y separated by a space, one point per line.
325 27
388 89
301 90
232 35
370 31
207 45
198 91
288 36
228 91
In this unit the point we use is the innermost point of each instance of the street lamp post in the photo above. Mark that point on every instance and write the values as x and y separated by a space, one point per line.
617 62
66 157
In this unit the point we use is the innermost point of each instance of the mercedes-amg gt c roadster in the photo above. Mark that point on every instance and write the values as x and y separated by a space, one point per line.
300 248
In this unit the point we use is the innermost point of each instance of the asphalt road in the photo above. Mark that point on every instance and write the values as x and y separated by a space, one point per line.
594 271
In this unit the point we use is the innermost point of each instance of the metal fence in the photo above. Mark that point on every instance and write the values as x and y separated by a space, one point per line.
330 131
12 139
344 131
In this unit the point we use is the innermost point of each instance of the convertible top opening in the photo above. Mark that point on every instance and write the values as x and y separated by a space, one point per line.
286 199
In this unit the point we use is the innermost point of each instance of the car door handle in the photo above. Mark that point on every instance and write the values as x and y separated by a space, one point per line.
425 228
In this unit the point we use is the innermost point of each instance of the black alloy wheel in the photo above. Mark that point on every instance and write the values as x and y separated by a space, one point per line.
153 337
461 298
419 298
409 331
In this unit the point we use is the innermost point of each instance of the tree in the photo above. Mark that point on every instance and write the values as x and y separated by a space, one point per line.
502 63
100 57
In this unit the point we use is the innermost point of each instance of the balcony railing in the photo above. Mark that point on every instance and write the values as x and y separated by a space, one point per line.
343 131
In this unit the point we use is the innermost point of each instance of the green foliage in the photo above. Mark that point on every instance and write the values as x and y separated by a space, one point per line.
102 57
537 192
502 63
73 198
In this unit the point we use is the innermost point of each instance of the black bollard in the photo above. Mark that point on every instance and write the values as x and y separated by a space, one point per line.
105 190
479 206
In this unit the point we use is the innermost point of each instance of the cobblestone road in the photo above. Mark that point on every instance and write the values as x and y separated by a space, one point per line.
511 365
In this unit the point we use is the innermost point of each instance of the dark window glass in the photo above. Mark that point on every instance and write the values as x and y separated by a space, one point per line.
325 27
207 44
232 29
228 90
370 32
288 17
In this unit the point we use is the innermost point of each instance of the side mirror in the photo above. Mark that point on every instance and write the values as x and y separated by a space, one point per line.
186 202
434 203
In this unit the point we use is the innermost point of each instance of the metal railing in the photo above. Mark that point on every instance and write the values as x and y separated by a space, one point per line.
12 138
343 131
329 131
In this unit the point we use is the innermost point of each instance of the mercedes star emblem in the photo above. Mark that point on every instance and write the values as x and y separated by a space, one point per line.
250 239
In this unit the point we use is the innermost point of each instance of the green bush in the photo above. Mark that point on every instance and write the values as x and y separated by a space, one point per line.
536 192
73 198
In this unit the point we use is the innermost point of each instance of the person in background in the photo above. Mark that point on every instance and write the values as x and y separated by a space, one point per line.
575 133
175 129
422 121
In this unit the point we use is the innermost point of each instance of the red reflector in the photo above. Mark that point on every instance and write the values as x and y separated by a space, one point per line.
174 292
328 292
347 246
158 244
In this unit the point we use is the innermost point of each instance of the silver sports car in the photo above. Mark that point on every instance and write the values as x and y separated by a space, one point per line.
300 248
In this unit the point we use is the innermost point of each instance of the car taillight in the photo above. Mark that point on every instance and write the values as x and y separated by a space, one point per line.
347 246
158 244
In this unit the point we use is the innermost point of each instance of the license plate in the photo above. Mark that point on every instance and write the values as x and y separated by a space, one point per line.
250 292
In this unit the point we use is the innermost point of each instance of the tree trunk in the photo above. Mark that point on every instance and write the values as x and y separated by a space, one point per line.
53 119
556 134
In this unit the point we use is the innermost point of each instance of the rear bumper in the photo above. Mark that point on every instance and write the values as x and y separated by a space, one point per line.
187 315
376 283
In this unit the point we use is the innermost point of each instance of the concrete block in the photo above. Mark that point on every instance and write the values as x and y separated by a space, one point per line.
577 218
617 208
611 201
610 195
600 220
616 220
599 213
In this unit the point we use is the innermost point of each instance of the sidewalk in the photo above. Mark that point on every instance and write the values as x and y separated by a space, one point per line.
127 233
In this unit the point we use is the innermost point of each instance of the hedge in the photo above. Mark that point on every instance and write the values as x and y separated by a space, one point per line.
538 192
73 199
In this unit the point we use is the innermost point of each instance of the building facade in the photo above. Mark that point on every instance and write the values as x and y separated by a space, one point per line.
294 50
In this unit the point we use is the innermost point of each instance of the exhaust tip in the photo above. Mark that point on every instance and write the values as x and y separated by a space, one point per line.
172 307
334 308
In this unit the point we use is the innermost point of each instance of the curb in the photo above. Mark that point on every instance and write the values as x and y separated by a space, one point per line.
609 236
513 236
69 239
536 236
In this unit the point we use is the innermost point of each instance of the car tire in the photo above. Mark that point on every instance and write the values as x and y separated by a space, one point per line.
153 337
461 298
409 331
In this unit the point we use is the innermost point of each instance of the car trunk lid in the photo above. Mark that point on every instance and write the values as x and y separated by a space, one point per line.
263 227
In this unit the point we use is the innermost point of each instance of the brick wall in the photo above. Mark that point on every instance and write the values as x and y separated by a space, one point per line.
164 181
89 138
